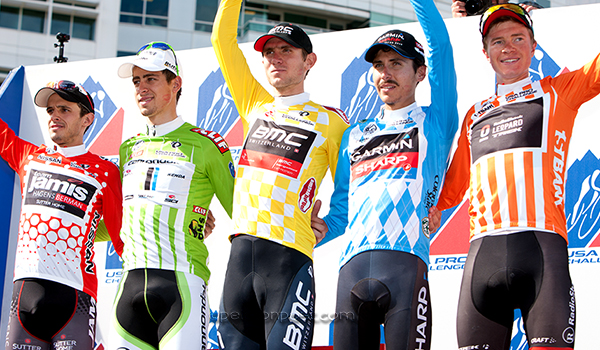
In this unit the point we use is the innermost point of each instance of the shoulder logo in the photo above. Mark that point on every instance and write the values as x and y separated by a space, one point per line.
217 139
231 169
137 145
340 113
371 129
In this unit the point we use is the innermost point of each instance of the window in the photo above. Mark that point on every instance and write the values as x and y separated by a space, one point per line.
60 23
336 27
83 28
77 27
33 21
380 19
206 11
9 17
86 3
125 53
145 12
306 20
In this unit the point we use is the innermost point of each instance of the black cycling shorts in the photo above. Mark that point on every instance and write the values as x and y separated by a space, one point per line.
47 315
383 287
160 309
268 297
527 271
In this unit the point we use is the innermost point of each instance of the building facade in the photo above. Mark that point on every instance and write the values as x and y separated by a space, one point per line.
109 28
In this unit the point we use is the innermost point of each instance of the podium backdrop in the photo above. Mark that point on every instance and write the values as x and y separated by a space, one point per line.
567 39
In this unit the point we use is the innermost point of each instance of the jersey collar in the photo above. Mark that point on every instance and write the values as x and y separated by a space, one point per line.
503 89
287 101
71 151
397 114
163 129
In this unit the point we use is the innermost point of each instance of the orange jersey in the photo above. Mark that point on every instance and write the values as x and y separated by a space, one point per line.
512 153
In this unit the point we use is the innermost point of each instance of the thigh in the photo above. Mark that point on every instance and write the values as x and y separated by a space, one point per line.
46 310
148 308
131 325
241 320
180 328
555 300
363 300
475 330
293 319
345 326
383 287
408 323
79 332
268 297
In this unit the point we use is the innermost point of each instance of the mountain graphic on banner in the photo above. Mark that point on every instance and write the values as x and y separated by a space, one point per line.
358 98
453 236
582 202
217 111
105 135
109 139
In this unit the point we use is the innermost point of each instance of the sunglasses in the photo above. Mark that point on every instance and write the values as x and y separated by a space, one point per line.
160 46
67 85
514 8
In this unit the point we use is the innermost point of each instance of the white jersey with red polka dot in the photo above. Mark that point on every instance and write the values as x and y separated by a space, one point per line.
66 192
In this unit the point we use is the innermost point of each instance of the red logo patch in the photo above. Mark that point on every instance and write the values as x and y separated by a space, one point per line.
307 194
217 139
199 210
338 112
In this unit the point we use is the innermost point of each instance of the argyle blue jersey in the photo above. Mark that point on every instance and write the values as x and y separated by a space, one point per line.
391 168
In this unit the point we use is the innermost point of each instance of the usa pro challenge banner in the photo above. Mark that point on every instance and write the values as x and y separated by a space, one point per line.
341 78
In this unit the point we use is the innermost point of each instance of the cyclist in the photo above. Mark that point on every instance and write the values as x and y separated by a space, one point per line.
511 152
389 174
66 192
170 173
290 143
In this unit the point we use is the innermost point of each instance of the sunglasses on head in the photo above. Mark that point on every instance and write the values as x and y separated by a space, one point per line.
161 46
67 85
514 8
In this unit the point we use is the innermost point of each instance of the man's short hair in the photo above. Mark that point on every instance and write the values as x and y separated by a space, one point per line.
170 76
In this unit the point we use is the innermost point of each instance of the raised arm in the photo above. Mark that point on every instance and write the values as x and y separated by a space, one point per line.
442 75
245 89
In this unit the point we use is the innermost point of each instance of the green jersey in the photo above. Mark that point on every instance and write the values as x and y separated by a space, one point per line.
170 175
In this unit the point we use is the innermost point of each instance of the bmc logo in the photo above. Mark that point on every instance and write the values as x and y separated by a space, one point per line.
279 135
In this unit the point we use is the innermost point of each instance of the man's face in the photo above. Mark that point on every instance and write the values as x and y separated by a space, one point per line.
395 79
65 126
509 49
285 66
153 94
